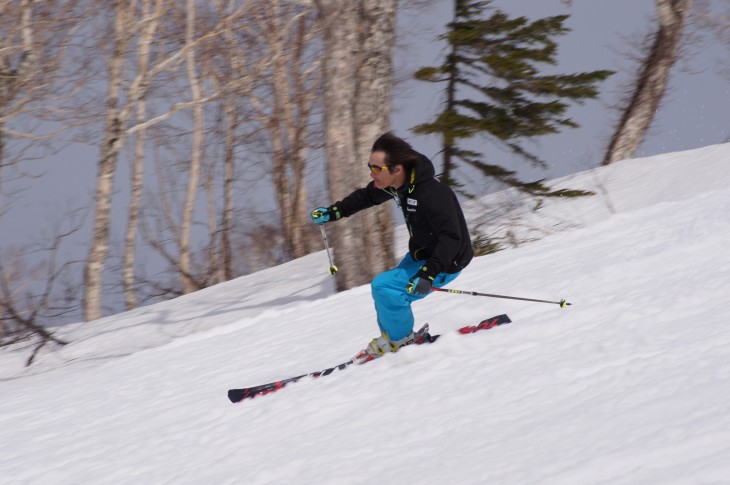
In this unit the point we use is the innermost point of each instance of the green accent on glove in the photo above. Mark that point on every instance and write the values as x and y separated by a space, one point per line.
335 213
420 284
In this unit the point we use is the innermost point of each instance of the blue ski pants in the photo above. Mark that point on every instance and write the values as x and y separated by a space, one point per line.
392 300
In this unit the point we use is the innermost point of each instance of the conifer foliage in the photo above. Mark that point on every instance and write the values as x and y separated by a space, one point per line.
495 88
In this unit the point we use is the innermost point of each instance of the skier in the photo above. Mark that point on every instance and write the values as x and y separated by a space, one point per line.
439 246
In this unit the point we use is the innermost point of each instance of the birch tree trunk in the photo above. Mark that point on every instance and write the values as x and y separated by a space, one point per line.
293 76
130 237
228 171
137 172
293 98
652 81
215 266
372 113
340 24
188 284
358 39
120 105
113 139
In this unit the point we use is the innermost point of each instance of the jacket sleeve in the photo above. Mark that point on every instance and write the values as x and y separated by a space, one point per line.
444 215
360 199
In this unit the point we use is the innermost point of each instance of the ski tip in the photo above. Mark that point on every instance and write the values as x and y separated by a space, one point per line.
236 395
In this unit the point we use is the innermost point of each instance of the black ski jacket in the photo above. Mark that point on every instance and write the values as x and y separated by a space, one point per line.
434 218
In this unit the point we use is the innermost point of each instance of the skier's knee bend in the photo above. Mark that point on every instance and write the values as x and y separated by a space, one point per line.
387 280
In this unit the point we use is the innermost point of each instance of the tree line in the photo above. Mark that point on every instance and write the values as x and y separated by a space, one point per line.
211 103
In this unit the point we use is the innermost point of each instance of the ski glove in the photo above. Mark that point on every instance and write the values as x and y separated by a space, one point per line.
420 284
320 215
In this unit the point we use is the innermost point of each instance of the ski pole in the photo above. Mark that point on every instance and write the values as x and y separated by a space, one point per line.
562 303
333 268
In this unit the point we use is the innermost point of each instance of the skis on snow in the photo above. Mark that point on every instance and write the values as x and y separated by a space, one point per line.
422 337
237 395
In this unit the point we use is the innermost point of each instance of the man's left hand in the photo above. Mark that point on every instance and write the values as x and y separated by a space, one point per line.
420 284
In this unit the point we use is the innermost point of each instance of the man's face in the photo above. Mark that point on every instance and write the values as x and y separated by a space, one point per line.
382 177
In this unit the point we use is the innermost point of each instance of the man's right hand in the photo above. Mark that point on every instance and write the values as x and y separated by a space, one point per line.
320 215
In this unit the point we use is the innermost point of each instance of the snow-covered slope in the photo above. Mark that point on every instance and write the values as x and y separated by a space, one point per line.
630 385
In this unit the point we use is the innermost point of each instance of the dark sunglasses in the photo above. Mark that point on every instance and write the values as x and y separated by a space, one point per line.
378 168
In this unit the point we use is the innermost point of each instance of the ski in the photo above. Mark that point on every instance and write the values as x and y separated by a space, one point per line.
238 395
486 324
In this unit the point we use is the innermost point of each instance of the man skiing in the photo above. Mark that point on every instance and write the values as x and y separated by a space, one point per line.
439 246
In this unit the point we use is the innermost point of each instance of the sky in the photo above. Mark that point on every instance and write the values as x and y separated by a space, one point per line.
629 385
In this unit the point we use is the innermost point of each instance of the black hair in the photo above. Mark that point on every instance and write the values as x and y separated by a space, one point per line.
397 151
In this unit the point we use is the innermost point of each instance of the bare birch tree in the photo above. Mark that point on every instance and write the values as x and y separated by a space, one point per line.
16 54
196 152
358 39
111 145
233 67
122 98
219 62
231 124
652 80
373 108
34 38
291 74
151 12
16 58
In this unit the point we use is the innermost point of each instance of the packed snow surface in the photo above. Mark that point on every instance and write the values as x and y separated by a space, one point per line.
629 385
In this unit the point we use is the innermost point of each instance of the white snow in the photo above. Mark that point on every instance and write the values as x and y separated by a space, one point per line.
629 385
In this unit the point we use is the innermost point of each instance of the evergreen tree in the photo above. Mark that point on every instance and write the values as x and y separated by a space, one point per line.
496 61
